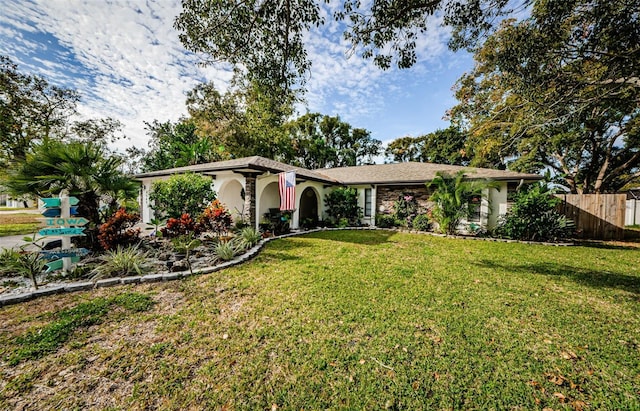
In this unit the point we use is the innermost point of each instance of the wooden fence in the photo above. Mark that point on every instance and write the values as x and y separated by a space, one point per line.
597 216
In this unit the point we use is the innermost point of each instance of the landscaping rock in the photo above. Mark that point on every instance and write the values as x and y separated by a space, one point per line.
152 278
180 265
107 282
79 286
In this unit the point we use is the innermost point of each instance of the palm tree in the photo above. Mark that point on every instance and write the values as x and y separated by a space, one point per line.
451 195
83 170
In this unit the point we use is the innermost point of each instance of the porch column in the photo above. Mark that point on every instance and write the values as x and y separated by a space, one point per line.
250 200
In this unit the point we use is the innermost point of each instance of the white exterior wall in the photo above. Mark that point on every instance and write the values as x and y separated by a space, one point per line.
146 210
266 199
498 206
227 186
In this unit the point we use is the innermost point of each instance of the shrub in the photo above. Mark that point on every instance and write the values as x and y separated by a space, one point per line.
405 209
421 222
8 257
342 203
533 216
451 195
119 230
181 193
249 237
385 220
226 250
217 218
121 262
181 226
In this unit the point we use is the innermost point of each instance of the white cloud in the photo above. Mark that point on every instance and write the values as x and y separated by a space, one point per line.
133 67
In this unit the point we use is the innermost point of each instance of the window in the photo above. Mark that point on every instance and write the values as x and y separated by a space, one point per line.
474 208
512 189
367 202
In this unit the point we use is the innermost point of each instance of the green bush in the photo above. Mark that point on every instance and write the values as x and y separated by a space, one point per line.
342 207
181 193
533 216
385 221
405 209
248 237
421 222
226 250
121 262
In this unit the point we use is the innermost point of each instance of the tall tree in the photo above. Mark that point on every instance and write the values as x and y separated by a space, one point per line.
264 40
560 90
244 121
446 146
31 110
320 141
177 145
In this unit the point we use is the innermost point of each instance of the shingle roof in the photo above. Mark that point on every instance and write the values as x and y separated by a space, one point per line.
255 163
403 173
397 173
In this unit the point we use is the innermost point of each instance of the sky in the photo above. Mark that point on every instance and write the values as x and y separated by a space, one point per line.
125 59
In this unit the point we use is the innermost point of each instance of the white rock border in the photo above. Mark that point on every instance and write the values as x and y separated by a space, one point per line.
11 299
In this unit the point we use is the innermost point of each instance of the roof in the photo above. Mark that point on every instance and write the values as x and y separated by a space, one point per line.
411 172
396 173
245 164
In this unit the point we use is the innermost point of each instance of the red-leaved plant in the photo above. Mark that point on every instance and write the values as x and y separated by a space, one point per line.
181 226
216 217
119 230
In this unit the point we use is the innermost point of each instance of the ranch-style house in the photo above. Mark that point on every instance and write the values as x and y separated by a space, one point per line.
249 188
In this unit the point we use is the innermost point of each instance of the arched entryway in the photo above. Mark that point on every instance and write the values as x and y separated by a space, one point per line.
308 216
230 194
269 198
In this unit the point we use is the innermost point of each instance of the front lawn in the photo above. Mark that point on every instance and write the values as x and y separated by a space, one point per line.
351 320
19 223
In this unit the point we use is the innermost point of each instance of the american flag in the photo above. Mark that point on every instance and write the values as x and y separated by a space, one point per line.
287 185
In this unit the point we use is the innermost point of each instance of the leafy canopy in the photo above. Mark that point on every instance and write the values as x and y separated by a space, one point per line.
264 41
446 146
559 90
181 193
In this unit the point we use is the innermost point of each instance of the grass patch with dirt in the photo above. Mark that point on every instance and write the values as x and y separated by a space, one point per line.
19 223
354 320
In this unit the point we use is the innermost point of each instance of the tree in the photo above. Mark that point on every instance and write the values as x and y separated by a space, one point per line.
264 41
244 121
83 170
31 110
264 38
560 90
452 195
446 146
320 141
181 193
177 145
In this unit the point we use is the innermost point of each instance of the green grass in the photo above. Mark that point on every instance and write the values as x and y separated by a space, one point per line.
360 320
19 224
41 341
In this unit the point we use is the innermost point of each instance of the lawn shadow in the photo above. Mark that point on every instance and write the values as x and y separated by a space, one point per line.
619 245
589 277
365 237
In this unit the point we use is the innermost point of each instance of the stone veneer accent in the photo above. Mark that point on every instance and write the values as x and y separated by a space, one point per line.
250 200
386 196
